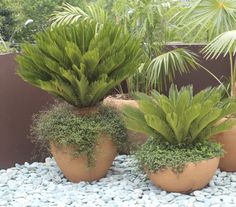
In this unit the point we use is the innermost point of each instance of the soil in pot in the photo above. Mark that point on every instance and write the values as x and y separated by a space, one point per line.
135 139
195 176
76 169
228 140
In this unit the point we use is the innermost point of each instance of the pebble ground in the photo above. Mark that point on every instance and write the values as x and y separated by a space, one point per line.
43 185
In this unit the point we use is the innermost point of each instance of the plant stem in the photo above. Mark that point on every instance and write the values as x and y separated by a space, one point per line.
120 89
232 74
217 79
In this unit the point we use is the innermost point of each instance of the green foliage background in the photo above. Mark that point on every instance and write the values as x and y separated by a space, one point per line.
13 14
59 125
7 20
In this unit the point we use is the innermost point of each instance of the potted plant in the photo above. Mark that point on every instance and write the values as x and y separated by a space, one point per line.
80 64
225 44
153 26
178 156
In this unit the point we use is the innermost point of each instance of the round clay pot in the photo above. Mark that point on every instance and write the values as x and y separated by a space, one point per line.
195 176
76 169
134 138
228 140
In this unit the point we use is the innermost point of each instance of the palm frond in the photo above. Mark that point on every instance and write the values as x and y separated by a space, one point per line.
163 68
224 44
69 14
208 16
79 63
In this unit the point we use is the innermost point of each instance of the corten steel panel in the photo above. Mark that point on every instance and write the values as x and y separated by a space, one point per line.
201 79
18 101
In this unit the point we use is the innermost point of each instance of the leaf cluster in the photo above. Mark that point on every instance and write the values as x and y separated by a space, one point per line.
80 63
182 117
60 125
207 16
149 20
156 155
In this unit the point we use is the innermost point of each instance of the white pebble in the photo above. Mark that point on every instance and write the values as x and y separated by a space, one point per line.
43 184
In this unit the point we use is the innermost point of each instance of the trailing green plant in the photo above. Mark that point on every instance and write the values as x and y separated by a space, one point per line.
80 63
224 44
60 125
181 117
179 125
156 155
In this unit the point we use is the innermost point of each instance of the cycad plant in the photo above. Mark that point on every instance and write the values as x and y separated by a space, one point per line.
179 126
149 20
80 63
181 117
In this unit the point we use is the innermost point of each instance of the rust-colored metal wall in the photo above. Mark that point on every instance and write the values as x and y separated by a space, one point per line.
18 101
201 79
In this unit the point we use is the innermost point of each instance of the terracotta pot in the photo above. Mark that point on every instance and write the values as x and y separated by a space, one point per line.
228 141
75 169
195 176
134 138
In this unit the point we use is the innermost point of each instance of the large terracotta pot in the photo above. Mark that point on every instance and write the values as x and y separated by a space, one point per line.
76 169
195 176
228 141
135 139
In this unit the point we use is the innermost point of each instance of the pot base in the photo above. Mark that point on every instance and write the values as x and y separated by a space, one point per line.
195 176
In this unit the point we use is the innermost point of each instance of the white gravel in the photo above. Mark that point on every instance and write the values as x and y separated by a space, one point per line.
42 184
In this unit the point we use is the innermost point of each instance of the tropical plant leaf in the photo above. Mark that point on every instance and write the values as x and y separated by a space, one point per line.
68 14
224 44
135 121
164 67
68 61
195 120
207 16
160 126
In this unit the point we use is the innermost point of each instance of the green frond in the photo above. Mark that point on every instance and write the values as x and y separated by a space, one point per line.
181 118
135 121
224 44
68 14
163 68
72 63
211 17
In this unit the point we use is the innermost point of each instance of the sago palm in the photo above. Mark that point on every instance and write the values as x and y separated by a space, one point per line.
181 118
147 19
79 63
